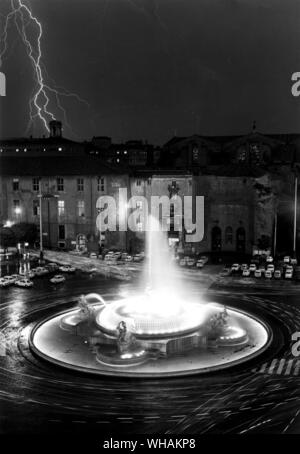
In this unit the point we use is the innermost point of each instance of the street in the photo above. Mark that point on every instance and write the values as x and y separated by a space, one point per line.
260 396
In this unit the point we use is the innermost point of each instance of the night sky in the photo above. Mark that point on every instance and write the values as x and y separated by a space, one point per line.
150 69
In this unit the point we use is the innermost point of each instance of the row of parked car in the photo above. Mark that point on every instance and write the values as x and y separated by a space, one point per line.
24 279
283 269
117 257
191 262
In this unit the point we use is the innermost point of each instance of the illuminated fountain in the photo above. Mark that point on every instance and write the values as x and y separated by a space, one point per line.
159 331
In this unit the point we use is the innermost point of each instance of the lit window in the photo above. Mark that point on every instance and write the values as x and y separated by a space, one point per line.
35 184
100 184
15 184
60 184
80 208
61 207
80 184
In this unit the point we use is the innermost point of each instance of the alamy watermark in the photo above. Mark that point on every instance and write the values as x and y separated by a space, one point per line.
2 84
176 213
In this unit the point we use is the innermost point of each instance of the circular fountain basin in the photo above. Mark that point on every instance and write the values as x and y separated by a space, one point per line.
64 348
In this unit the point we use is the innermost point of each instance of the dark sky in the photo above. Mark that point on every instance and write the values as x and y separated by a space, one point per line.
149 68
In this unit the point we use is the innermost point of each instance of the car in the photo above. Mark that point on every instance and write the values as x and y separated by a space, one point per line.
12 279
182 262
190 262
277 274
129 258
294 261
257 273
26 283
225 272
200 263
138 258
67 269
246 273
287 259
4 282
252 267
244 266
288 274
235 267
268 274
93 255
57 279
204 259
289 268
41 271
118 255
271 267
124 255
269 259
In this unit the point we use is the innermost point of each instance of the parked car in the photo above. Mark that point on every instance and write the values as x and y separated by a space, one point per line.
235 267
182 262
41 271
244 266
271 267
269 259
288 274
93 255
246 273
268 274
294 261
67 269
11 280
252 267
225 272
190 262
138 258
204 259
277 274
129 258
57 279
4 282
200 263
287 259
26 283
257 273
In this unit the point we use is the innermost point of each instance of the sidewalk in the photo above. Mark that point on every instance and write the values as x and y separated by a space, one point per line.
85 263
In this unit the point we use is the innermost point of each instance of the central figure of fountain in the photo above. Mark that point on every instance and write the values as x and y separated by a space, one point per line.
125 338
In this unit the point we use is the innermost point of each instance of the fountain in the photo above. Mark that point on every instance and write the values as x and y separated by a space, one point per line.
162 330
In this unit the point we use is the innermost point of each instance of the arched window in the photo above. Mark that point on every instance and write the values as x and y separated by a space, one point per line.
228 235
216 239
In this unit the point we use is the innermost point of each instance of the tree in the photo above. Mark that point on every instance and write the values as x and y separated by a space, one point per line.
25 232
7 238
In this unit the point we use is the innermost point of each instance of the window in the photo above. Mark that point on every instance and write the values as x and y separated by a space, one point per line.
149 181
61 207
228 235
100 184
80 184
61 232
60 184
15 184
80 208
35 184
36 208
138 182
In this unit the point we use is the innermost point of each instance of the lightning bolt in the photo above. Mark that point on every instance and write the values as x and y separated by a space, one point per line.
45 92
